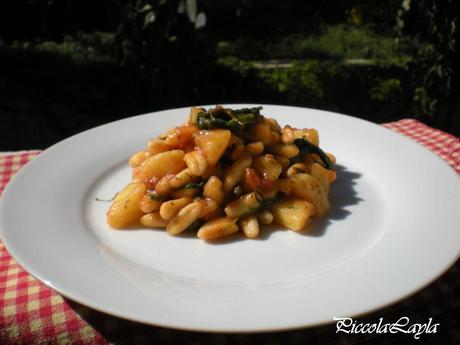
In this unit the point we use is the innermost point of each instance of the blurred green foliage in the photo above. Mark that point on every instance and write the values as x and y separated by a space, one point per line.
343 68
374 59
334 42
80 48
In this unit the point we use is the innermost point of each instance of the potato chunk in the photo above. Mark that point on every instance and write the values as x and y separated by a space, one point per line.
268 167
309 188
181 137
161 164
293 213
125 208
213 143
324 176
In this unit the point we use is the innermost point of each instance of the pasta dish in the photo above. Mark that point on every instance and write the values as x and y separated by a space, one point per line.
225 171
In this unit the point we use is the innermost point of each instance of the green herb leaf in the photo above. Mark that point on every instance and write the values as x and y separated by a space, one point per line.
255 110
106 200
246 118
264 203
154 196
234 120
195 185
307 147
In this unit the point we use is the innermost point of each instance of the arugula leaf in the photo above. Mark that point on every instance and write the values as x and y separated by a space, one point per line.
255 110
194 185
234 120
305 146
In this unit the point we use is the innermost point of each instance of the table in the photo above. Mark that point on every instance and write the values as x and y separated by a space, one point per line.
31 313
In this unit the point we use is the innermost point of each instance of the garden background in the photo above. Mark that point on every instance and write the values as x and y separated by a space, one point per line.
69 65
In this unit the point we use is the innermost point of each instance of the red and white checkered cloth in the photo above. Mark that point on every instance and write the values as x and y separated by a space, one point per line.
31 313
443 144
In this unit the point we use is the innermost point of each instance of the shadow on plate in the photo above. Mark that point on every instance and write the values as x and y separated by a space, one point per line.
341 195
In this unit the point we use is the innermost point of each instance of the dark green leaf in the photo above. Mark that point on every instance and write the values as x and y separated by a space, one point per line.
255 110
195 185
154 196
234 120
245 118
307 147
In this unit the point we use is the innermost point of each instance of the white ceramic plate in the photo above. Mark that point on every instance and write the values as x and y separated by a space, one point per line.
393 228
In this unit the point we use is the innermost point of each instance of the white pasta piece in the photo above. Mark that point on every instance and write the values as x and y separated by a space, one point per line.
207 206
217 228
250 226
170 208
265 217
196 162
182 178
284 150
155 146
214 189
153 220
150 202
137 159
255 148
235 172
186 217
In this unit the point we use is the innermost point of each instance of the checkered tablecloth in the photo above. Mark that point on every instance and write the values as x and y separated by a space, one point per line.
31 313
